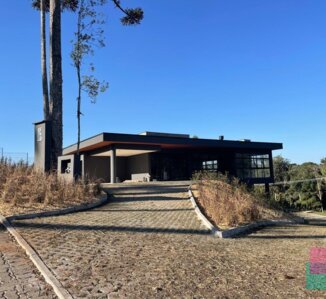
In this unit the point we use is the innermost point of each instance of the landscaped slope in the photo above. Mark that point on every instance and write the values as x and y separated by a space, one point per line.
227 203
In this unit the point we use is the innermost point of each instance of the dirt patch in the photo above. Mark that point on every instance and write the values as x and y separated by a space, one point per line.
6 247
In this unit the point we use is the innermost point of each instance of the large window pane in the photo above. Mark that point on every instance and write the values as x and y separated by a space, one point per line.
211 165
252 166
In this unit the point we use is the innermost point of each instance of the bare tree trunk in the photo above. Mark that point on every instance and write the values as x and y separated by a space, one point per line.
78 110
78 168
55 81
78 66
43 63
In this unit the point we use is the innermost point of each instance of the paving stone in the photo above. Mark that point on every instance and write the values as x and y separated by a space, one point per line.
18 276
148 243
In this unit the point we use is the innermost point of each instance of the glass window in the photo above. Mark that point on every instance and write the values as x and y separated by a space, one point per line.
210 165
252 166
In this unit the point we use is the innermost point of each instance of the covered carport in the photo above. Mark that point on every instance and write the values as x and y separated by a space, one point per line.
119 163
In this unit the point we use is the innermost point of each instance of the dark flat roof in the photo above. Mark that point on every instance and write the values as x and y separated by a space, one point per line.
105 139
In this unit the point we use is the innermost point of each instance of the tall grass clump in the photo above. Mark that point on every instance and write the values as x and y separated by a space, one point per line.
22 184
228 202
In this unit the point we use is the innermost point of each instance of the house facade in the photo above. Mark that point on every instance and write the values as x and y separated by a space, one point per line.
152 156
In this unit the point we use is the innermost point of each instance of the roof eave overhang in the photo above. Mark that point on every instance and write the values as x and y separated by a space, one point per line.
104 140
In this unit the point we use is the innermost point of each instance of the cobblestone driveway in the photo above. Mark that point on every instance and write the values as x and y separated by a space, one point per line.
18 276
148 243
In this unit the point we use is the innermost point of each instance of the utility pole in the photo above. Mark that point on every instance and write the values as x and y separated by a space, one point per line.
1 153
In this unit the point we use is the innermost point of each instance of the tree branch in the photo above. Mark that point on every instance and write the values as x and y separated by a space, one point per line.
117 4
133 16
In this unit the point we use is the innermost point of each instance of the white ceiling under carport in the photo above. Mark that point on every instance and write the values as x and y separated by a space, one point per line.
124 153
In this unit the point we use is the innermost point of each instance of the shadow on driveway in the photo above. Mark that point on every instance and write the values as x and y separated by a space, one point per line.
140 210
145 199
112 228
289 231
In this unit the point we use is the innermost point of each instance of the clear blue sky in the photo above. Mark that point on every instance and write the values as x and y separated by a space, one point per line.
239 68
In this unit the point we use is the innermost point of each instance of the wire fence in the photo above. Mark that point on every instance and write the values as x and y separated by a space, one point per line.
298 181
16 157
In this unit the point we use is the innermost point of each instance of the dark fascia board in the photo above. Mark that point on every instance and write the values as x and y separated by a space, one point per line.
190 141
194 142
85 143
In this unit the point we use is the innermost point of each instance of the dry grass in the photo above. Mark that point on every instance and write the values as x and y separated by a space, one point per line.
228 203
24 189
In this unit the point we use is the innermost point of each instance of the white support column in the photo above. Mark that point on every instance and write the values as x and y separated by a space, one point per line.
113 165
82 170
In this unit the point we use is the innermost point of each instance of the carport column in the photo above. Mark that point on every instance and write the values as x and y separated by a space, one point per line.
113 165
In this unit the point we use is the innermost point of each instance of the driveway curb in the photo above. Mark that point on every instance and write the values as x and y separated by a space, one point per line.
59 290
49 277
79 208
229 233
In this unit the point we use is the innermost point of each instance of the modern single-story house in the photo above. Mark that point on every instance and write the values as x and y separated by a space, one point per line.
163 156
